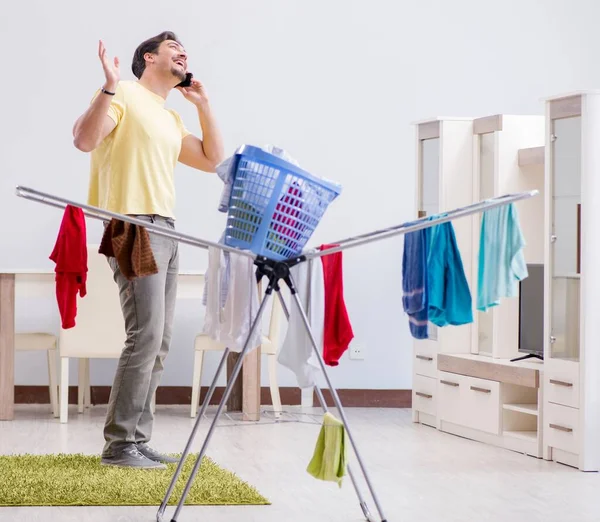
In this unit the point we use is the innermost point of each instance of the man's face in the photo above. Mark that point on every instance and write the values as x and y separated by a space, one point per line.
171 57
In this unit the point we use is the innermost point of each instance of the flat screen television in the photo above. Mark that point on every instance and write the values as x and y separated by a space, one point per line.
531 313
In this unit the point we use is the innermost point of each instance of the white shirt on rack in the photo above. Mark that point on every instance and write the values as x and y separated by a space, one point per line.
297 353
230 324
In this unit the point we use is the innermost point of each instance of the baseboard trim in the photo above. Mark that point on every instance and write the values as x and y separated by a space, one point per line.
183 395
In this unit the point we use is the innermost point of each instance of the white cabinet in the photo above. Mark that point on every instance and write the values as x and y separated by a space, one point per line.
450 403
469 402
572 283
461 161
497 171
425 395
444 182
562 379
563 429
466 381
491 400
425 362
482 402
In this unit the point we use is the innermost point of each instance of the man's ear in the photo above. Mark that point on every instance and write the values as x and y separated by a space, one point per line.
149 57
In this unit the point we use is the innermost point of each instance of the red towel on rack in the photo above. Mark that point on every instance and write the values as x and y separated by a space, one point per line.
70 256
337 332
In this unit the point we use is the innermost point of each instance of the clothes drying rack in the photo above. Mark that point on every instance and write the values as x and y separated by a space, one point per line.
275 271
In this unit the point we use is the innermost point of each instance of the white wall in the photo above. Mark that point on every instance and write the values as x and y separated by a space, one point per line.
334 82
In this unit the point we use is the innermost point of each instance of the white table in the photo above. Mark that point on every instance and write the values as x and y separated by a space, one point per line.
190 286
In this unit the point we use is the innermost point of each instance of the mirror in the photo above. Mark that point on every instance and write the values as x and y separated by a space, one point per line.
429 190
486 165
430 176
485 321
566 201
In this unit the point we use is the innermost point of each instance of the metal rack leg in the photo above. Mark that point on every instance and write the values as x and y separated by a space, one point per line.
338 404
225 398
363 504
209 394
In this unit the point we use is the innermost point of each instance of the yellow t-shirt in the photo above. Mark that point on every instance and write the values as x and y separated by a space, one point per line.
132 170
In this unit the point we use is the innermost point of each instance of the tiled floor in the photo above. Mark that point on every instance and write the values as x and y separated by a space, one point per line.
419 474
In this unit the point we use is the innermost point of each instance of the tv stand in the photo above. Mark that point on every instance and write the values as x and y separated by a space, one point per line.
528 356
493 401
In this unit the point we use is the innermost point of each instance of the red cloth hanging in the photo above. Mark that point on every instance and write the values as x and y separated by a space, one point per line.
337 328
70 256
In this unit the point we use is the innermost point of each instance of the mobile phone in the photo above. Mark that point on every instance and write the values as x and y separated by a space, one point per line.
188 80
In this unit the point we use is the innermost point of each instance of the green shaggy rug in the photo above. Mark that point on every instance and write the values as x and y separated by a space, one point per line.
80 480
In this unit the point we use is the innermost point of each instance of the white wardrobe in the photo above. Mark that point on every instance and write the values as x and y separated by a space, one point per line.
572 307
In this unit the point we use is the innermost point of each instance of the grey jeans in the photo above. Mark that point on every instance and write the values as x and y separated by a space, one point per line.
148 305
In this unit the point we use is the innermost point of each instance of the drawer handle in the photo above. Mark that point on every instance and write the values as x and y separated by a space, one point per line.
561 383
561 428
482 390
448 383
424 395
424 358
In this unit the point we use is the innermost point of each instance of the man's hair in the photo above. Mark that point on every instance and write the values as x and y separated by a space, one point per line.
138 65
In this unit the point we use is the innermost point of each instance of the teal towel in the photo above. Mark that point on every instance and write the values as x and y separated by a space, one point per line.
329 458
449 296
501 260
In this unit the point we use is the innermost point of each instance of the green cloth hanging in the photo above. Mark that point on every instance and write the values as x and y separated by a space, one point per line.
329 459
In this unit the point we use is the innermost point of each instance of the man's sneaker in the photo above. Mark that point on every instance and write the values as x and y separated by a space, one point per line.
154 455
131 457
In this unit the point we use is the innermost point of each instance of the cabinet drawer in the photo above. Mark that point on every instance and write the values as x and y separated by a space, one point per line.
562 382
425 361
424 394
561 428
469 402
482 405
450 405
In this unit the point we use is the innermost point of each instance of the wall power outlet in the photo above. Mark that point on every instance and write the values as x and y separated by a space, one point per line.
357 352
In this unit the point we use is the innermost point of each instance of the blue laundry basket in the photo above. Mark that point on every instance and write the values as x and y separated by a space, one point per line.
274 206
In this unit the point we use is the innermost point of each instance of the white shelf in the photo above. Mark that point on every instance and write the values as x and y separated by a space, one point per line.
567 276
530 436
531 156
529 409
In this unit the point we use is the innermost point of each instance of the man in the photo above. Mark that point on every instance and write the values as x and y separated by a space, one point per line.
135 143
